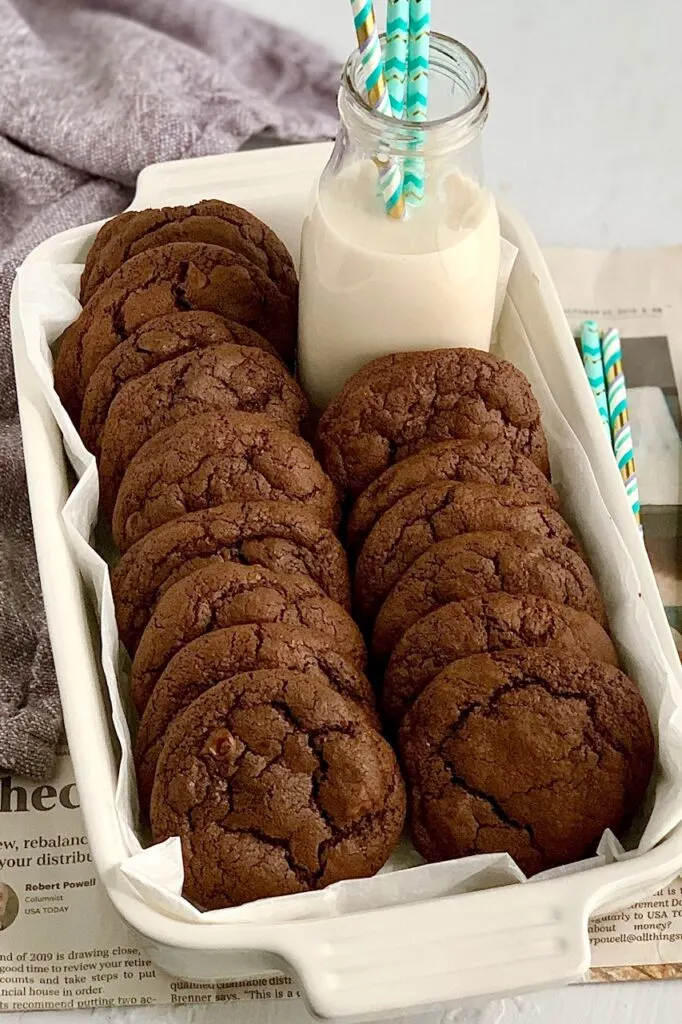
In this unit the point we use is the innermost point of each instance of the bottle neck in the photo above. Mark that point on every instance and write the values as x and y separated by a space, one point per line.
458 106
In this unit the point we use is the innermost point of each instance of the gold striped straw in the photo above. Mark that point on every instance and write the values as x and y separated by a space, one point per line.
390 173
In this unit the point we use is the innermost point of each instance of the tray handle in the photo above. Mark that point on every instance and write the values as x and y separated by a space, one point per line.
478 945
244 177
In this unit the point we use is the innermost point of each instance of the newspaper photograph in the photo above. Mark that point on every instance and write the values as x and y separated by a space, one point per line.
62 945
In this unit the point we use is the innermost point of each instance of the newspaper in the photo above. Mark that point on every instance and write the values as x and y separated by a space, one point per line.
62 946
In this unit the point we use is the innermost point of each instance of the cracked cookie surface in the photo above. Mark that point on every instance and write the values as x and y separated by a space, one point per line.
490 623
210 221
275 784
156 342
439 512
276 535
474 462
479 563
398 404
225 653
212 459
231 595
176 277
223 379
532 753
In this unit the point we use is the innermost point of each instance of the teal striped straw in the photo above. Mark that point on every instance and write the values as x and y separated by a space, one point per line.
395 68
619 416
417 91
390 173
590 348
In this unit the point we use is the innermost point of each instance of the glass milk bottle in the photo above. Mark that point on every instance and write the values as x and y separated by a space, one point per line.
372 284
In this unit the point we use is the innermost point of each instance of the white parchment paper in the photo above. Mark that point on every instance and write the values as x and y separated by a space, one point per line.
48 303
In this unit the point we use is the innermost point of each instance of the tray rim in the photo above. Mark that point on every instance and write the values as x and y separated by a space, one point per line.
59 574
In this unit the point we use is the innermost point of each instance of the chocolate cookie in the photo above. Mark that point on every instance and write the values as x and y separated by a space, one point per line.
479 563
490 623
399 404
472 462
102 238
533 753
224 379
437 513
180 276
219 656
277 535
155 343
231 595
212 459
209 221
275 784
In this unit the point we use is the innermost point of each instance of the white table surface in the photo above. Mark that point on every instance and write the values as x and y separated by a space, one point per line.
585 138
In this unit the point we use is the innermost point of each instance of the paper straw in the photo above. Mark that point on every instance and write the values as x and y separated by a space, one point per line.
397 33
590 347
390 174
417 90
418 62
621 434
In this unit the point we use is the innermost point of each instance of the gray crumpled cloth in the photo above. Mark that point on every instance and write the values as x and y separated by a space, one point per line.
90 93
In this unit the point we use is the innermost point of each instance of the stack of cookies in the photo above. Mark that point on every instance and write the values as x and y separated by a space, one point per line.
488 635
258 741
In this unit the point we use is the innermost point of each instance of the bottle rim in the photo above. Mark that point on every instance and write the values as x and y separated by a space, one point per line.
453 130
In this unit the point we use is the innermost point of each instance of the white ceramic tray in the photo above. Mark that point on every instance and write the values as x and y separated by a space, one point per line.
381 961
